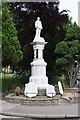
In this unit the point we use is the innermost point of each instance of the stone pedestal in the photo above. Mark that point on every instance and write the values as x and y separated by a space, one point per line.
38 79
38 66
38 71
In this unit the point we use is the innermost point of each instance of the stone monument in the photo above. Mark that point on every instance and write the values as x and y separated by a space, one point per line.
38 79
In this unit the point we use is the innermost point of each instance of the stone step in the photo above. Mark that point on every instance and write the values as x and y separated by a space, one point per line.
40 100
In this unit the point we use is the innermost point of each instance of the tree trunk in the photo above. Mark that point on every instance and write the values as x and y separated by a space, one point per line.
72 76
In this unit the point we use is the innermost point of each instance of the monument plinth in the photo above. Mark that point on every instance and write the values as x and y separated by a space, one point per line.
38 66
38 79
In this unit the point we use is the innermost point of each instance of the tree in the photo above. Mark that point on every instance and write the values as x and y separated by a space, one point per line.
73 31
66 52
11 47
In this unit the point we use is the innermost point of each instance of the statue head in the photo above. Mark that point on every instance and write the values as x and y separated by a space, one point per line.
38 18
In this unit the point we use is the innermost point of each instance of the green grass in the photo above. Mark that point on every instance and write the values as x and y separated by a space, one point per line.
9 82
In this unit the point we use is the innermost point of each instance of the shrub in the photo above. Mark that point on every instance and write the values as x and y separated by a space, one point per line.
10 82
17 91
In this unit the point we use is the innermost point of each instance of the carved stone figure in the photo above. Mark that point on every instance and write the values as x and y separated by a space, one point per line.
38 79
38 26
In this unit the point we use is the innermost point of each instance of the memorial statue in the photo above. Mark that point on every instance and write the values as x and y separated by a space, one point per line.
38 79
38 26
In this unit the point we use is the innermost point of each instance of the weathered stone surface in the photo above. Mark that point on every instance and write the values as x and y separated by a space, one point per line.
38 100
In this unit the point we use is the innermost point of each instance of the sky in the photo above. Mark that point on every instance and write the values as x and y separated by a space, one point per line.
71 5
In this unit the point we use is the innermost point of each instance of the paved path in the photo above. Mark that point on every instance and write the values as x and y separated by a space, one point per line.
60 111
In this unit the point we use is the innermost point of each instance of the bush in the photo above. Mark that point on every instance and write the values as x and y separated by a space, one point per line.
17 90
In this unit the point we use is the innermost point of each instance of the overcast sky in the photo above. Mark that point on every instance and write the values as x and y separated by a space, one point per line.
71 5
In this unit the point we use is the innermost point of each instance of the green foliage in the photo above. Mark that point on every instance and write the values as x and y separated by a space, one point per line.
61 61
71 47
67 50
66 62
10 82
75 43
73 31
69 57
73 51
11 46
61 48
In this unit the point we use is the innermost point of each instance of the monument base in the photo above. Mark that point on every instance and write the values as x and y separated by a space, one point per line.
39 100
32 89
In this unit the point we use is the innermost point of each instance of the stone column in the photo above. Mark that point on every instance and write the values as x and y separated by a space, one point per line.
40 54
34 53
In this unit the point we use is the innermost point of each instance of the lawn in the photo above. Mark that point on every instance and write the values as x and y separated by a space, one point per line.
8 82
